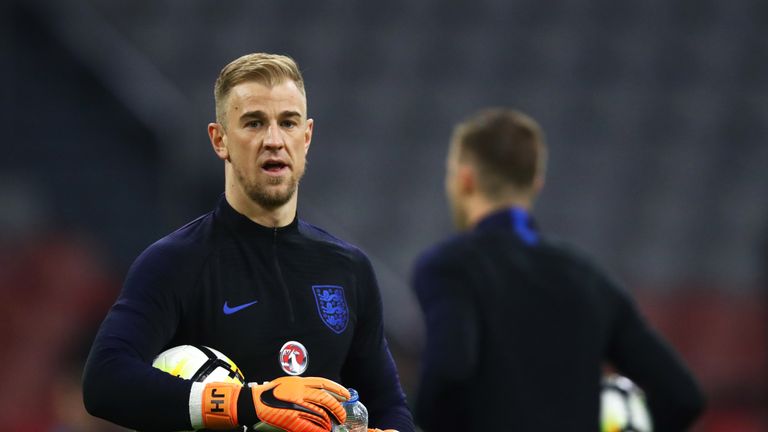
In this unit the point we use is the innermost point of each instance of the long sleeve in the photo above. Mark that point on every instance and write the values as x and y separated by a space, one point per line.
119 383
449 359
637 351
370 369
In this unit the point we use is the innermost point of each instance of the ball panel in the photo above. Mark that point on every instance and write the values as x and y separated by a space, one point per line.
612 411
638 411
623 407
201 364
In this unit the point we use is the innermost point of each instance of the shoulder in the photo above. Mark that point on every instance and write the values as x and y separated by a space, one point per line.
328 243
575 264
450 258
446 272
567 253
169 266
450 252
183 248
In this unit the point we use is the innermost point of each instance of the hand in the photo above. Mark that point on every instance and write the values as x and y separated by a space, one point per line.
291 403
301 404
379 430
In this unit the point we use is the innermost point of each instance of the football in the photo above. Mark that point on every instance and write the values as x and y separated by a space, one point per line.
198 363
622 406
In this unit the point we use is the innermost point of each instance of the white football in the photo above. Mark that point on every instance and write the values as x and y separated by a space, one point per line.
198 363
623 407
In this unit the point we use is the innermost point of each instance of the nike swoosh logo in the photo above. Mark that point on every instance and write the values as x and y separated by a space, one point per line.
230 310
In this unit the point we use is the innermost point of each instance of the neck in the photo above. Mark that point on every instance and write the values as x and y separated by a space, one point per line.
269 217
480 207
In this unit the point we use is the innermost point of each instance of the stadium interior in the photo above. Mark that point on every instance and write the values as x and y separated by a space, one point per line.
655 113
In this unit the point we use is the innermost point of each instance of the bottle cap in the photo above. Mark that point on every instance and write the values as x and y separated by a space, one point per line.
353 397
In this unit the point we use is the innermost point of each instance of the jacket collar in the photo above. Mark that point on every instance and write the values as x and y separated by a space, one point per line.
515 218
240 223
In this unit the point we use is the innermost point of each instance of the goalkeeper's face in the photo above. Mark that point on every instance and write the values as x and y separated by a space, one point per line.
265 141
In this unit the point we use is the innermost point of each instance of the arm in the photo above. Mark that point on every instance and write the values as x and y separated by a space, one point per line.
121 386
369 367
119 383
674 398
450 354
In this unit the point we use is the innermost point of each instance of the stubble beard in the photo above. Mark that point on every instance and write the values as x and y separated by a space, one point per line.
270 195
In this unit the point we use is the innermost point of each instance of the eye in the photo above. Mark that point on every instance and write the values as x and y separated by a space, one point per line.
254 124
288 124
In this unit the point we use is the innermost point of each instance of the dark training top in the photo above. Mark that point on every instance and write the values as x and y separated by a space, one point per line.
226 282
518 330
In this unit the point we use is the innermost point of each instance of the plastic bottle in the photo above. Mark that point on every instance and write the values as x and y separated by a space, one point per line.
357 415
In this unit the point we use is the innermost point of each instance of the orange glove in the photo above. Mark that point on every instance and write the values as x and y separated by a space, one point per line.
300 404
291 403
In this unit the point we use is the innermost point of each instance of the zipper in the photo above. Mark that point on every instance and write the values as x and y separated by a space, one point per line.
280 279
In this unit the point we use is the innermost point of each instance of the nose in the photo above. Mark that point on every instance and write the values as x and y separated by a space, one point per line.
273 139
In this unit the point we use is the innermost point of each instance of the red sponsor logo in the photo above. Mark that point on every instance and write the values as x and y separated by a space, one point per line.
293 358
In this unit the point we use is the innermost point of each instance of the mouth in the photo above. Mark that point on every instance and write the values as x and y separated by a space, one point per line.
274 167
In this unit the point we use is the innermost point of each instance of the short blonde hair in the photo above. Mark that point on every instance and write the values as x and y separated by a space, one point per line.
266 69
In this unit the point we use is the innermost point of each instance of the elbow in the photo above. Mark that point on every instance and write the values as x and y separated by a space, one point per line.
680 413
695 405
94 397
91 397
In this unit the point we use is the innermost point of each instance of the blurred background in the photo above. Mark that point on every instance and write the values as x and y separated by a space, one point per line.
656 115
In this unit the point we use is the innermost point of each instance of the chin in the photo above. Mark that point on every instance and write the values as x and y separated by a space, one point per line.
271 196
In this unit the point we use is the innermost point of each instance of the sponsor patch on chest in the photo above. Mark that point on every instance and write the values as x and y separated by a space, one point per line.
294 358
332 306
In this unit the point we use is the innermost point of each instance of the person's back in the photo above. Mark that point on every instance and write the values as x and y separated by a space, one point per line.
519 328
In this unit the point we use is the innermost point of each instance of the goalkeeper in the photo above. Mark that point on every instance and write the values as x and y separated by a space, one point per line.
292 305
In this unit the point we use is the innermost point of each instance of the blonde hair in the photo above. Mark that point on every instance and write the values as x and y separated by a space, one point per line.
266 69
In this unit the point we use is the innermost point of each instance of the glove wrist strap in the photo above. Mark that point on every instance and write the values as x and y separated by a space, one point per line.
196 405
217 406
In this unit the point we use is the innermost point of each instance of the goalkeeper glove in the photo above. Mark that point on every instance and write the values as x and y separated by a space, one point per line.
292 403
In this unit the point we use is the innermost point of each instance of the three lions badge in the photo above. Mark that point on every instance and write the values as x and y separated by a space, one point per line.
332 306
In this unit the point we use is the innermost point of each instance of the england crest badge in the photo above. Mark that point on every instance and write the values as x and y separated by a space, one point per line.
332 306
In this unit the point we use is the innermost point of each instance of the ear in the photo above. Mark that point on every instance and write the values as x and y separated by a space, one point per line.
218 140
466 177
538 184
308 134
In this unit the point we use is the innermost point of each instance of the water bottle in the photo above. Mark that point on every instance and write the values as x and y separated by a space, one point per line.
357 415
